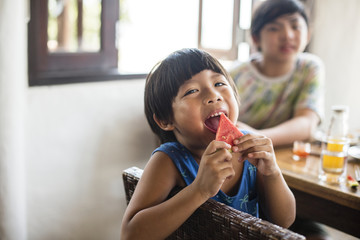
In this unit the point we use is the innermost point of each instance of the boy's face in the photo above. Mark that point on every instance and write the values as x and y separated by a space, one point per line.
197 103
283 38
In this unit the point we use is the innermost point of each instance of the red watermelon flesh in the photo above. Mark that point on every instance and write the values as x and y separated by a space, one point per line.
227 131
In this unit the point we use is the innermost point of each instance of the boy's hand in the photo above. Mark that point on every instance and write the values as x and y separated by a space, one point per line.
215 166
259 150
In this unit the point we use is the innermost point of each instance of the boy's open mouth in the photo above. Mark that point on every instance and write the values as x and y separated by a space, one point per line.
212 123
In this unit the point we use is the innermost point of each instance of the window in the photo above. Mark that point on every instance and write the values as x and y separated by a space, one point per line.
150 30
94 40
58 50
223 28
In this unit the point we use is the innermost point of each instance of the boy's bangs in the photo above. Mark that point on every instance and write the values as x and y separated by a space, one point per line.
190 62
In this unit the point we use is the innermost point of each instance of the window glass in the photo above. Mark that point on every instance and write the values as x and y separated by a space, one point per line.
244 25
74 25
217 23
149 30
245 14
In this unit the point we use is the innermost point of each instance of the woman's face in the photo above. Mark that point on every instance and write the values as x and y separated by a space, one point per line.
283 38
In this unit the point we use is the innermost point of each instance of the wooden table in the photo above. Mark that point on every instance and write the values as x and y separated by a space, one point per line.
337 206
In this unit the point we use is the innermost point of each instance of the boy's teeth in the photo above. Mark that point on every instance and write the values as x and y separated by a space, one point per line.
216 114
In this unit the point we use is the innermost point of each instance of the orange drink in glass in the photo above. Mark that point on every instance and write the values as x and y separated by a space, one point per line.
301 150
335 147
333 160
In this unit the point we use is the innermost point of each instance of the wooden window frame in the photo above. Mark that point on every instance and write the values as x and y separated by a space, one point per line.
47 68
229 54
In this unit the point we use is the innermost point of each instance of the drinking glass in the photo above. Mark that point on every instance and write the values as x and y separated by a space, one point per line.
334 160
301 150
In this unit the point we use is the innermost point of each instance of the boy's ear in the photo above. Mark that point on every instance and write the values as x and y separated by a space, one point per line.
166 126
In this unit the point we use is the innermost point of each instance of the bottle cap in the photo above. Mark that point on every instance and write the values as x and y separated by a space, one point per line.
340 108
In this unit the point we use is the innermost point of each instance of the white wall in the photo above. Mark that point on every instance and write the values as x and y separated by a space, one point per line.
63 148
13 77
337 41
80 138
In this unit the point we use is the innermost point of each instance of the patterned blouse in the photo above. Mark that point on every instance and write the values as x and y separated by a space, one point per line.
269 101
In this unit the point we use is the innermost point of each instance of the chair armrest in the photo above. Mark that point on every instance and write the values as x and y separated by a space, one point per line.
215 220
131 177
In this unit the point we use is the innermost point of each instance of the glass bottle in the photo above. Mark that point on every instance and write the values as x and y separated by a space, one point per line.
335 147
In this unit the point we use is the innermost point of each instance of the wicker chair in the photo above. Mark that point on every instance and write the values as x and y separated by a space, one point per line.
214 220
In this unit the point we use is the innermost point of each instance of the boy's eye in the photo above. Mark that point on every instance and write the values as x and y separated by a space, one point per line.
190 92
219 84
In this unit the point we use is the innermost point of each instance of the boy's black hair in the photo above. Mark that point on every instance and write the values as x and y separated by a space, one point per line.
165 79
269 10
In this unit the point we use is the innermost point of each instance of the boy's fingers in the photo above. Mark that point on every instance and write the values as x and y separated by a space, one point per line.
215 146
259 155
250 142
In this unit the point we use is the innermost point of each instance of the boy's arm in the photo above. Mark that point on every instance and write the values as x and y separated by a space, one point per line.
276 199
299 127
150 216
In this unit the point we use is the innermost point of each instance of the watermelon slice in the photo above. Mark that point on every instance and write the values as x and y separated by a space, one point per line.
227 131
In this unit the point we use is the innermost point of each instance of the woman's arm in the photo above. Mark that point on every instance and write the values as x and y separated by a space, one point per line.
299 127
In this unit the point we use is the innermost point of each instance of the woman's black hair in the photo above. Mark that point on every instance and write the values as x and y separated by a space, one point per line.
165 79
269 10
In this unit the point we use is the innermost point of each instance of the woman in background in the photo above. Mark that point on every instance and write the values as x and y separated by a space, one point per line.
281 87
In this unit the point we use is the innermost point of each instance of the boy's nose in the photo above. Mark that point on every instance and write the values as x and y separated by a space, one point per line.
214 100
212 97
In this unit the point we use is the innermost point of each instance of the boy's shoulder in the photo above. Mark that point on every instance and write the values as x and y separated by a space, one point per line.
168 147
